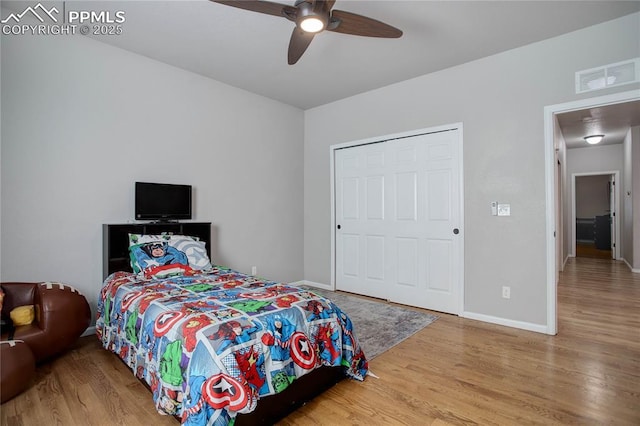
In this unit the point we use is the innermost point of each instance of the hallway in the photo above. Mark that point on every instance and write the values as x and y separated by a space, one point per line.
599 298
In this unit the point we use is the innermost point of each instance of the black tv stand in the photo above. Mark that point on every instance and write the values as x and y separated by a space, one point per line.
115 240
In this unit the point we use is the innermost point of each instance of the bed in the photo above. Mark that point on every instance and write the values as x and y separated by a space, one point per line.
216 346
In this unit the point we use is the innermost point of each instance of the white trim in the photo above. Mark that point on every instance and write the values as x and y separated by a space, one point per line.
11 343
462 223
90 331
538 328
550 196
332 232
616 221
311 284
332 149
635 271
549 168
407 134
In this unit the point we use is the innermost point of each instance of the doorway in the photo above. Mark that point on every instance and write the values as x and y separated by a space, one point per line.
595 204
553 185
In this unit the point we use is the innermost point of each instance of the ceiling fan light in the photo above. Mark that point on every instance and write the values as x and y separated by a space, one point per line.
593 139
312 24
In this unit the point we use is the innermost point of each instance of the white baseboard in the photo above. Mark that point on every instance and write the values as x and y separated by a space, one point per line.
312 284
634 270
538 328
90 331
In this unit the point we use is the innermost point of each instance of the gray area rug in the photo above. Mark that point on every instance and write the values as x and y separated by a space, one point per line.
379 326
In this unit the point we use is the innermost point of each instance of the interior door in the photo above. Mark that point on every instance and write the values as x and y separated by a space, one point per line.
398 220
361 184
612 213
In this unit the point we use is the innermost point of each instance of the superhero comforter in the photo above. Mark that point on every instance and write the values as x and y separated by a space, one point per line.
210 345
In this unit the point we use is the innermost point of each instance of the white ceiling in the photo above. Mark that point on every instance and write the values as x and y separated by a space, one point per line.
612 121
248 50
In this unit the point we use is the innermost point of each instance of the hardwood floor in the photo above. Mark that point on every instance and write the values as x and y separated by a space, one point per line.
590 250
454 372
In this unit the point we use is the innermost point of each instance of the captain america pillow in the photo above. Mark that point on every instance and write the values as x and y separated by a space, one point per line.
160 256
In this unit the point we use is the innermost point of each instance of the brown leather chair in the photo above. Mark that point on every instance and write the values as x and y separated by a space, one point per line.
62 314
17 370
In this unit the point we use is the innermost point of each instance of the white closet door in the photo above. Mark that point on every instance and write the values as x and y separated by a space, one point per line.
361 265
397 208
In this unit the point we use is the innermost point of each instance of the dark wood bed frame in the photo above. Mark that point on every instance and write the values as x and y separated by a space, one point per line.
270 409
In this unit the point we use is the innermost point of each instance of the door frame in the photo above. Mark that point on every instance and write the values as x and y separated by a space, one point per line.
550 188
559 212
616 236
381 139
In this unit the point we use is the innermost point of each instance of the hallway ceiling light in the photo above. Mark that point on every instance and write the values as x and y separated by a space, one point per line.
593 139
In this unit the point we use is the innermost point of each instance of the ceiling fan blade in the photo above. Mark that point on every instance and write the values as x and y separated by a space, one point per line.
260 6
328 4
351 23
299 42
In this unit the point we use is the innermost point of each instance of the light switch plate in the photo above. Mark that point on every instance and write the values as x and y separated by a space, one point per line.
494 208
504 209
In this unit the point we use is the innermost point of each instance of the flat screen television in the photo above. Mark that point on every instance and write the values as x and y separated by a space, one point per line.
162 201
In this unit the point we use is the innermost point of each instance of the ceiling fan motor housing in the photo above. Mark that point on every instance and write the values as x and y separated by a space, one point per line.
311 11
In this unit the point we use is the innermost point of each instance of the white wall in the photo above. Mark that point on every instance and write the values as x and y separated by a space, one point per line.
595 159
592 196
500 100
82 121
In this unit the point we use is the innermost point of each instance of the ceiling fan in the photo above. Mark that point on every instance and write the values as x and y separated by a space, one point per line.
314 16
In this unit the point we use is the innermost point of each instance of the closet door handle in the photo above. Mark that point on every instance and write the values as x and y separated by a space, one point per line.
339 226
456 231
